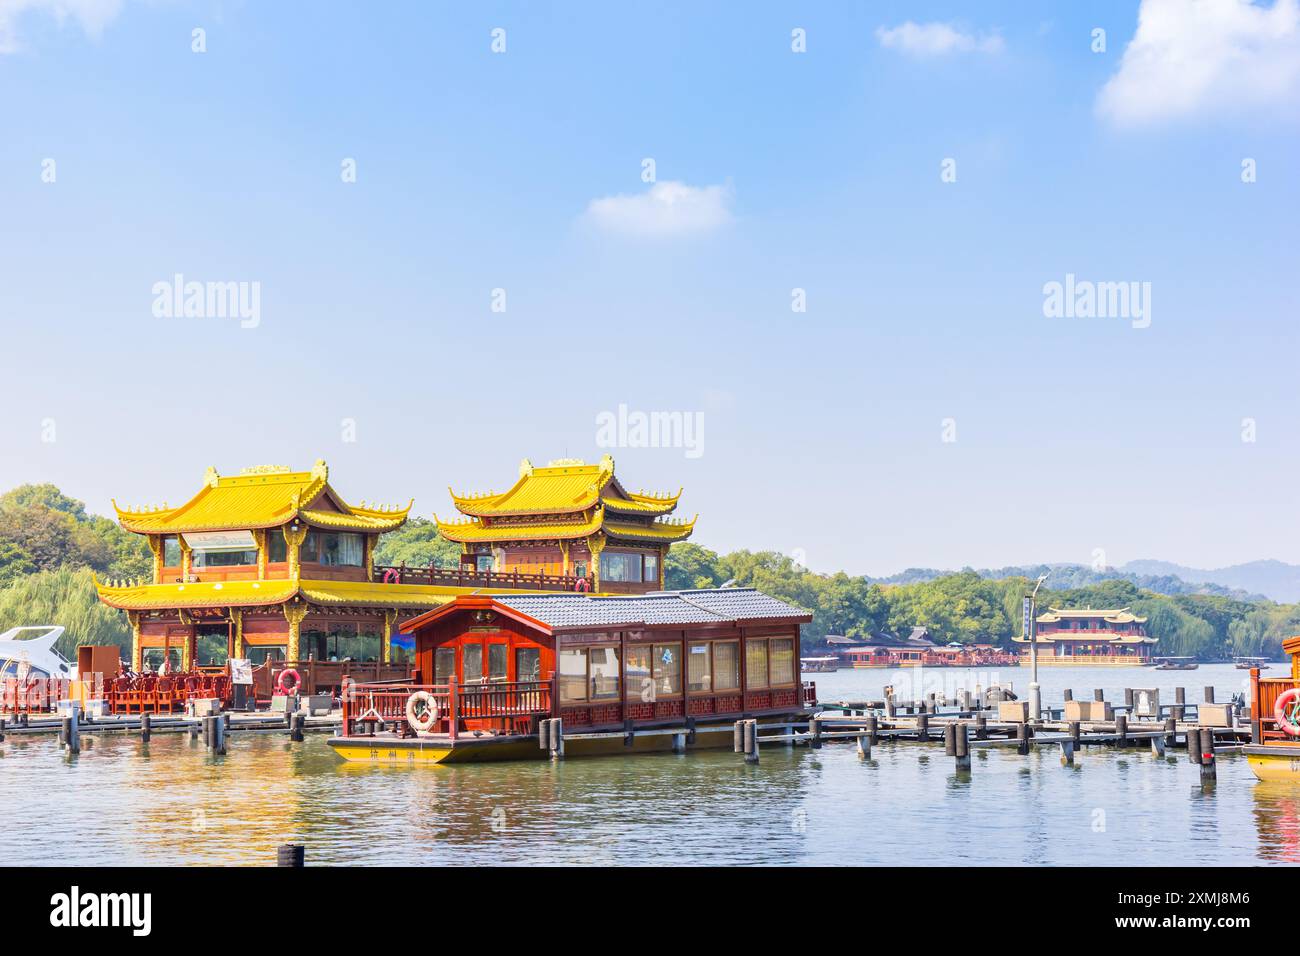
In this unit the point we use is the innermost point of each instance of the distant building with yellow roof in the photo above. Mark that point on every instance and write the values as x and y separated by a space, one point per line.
269 563
570 518
1084 636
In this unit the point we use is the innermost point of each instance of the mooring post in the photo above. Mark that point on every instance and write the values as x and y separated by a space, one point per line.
873 732
751 741
1209 694
950 740
981 727
1098 695
218 735
1121 729
295 731
1074 732
679 743
922 726
2 730
1069 695
963 747
738 737
1067 753
74 731
290 854
1128 698
1157 746
194 730
1171 730
1208 770
144 728
965 702
864 746
557 738
1022 739
1180 703
815 732
63 733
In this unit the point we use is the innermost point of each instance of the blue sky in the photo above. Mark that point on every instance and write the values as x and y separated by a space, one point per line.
823 430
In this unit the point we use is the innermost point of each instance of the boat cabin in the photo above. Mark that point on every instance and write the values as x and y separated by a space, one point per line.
498 663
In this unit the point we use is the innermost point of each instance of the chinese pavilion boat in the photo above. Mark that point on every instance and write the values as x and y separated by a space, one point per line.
621 673
1274 749
1091 638
570 518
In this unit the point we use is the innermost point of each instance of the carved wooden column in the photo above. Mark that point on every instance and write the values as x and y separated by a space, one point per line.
185 557
564 550
596 544
156 546
294 614
386 643
260 538
137 652
293 541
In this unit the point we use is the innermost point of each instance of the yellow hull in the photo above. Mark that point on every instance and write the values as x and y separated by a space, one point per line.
1282 763
392 752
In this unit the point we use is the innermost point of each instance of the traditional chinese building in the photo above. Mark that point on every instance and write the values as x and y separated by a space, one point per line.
269 563
1090 637
570 518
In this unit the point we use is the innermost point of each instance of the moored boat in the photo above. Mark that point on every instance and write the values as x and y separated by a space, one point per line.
1274 749
495 674
1246 663
1176 664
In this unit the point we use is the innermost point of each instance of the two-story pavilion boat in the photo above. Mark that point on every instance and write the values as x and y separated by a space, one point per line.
623 673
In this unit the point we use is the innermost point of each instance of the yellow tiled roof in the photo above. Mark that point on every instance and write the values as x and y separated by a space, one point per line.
261 498
563 487
475 531
143 597
1111 616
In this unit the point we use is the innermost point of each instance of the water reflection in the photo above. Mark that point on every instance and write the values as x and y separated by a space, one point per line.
1277 820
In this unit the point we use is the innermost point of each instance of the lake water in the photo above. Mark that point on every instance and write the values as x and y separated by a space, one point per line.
168 802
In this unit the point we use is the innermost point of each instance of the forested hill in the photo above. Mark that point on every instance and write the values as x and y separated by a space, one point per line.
1080 576
50 546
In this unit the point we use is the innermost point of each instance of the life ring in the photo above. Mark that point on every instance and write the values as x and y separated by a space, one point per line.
1279 711
581 585
297 682
392 576
431 714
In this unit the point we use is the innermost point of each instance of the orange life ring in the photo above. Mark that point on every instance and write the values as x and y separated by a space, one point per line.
297 682
392 576
1279 711
581 585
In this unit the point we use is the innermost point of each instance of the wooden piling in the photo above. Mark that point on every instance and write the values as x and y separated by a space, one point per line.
557 738
74 732
1171 729
922 726
815 733
1180 702
891 707
981 727
751 741
1157 746
1098 695
679 743
1069 695
1209 771
873 732
1128 698
290 854
1209 695
144 728
1022 739
1121 729
2 730
864 746
738 737
963 747
1074 732
1067 753
63 733
950 740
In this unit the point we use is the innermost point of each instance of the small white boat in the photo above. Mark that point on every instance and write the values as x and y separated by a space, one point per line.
24 654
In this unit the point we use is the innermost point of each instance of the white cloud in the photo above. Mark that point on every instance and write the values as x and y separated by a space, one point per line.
93 15
667 209
937 39
1190 57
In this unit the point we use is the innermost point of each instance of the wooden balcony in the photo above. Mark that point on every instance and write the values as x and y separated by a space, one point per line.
467 577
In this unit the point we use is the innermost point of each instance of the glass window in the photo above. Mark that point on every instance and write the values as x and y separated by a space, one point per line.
310 547
573 674
651 568
222 559
668 669
726 666
341 549
699 675
171 551
277 551
604 672
580 569
528 663
498 654
782 654
755 664
640 682
483 562
444 664
472 659
616 566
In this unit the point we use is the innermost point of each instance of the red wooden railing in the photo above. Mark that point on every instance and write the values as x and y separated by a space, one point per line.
467 577
509 705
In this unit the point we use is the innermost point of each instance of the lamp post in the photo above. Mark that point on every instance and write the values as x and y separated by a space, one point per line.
1035 694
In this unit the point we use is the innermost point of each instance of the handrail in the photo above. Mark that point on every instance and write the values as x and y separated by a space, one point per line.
472 577
503 700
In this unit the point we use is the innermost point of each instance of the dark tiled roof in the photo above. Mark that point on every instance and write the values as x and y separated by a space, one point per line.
720 606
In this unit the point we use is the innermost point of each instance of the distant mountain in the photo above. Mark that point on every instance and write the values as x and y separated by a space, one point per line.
1274 579
1066 576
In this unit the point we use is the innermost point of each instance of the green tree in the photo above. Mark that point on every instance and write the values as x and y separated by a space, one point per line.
64 596
690 566
417 543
